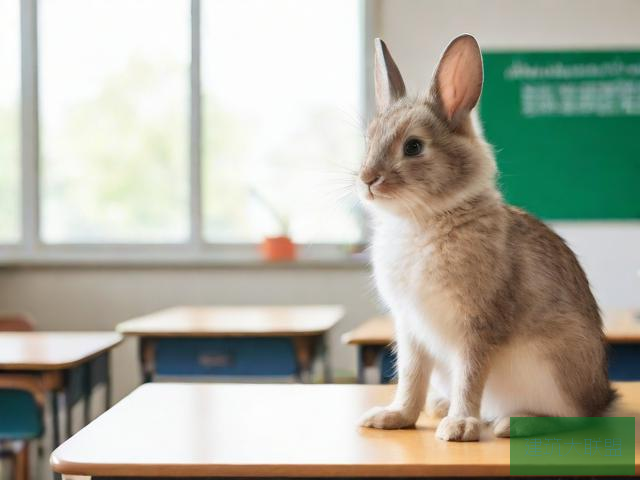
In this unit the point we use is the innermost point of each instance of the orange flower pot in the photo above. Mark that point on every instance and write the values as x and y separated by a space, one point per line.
278 249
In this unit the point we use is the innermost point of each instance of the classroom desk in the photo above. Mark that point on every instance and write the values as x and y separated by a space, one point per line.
216 430
234 341
49 364
374 339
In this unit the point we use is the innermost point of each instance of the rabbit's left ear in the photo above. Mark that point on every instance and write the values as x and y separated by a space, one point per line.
457 84
389 85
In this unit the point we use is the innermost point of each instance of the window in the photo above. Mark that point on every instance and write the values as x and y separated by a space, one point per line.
189 126
9 121
281 89
114 79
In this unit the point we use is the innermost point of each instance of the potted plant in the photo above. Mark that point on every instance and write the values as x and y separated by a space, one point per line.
279 247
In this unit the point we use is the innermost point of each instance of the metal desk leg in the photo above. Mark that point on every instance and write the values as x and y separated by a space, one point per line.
68 414
369 356
304 348
86 410
107 383
147 358
55 418
361 354
86 401
326 360
98 373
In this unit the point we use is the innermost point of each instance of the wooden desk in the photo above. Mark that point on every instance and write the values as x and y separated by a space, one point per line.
622 326
374 337
375 331
204 430
228 340
50 364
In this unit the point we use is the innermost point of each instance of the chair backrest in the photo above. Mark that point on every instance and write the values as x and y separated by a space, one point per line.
20 415
15 322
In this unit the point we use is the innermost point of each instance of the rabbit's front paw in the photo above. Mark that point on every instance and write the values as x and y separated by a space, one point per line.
459 429
437 407
388 418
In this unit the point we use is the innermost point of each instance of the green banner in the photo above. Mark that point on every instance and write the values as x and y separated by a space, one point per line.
572 446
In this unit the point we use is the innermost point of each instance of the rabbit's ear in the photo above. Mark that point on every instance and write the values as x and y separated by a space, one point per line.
457 84
389 85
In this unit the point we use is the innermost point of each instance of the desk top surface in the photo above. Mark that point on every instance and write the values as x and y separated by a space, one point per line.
621 326
274 430
224 321
52 350
375 331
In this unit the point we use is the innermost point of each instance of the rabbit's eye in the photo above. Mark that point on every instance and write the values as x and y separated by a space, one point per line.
413 147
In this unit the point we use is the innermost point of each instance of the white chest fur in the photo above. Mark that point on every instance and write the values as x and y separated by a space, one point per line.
407 276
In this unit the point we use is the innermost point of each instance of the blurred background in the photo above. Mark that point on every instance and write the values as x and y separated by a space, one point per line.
149 147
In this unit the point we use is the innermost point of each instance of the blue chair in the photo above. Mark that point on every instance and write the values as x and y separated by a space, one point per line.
20 422
21 405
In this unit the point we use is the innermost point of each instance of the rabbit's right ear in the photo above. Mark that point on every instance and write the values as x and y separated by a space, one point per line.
389 85
457 84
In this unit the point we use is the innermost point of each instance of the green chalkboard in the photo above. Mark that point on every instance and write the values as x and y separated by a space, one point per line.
566 130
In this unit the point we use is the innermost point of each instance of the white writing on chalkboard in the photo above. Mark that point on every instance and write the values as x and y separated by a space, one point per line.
519 70
585 98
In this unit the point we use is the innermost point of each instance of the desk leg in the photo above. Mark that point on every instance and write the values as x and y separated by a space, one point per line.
21 461
369 356
361 354
304 351
99 373
55 417
68 413
86 410
86 401
147 354
107 382
326 360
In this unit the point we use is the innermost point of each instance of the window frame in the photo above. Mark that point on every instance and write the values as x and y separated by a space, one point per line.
196 250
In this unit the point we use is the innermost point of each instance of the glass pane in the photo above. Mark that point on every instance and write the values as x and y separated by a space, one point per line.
281 118
114 98
9 121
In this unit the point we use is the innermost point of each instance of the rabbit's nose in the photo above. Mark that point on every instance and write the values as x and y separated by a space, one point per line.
375 180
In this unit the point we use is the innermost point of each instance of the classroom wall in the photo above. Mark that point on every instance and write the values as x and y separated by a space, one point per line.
94 298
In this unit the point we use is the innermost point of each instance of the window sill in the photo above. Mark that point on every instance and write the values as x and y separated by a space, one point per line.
181 256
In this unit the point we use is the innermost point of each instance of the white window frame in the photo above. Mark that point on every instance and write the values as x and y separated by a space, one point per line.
31 250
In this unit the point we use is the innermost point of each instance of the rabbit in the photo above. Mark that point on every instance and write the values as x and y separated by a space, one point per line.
494 316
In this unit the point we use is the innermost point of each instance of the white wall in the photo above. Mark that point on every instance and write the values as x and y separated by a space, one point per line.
416 31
